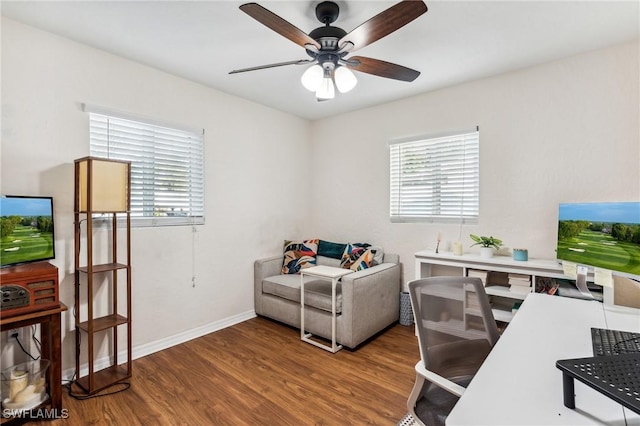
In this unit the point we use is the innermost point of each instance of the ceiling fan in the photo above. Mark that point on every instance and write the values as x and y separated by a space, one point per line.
328 46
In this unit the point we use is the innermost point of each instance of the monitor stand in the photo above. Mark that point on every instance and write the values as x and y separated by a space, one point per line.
581 281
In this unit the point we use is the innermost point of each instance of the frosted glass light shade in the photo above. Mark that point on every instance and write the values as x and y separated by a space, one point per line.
345 79
105 181
312 77
326 89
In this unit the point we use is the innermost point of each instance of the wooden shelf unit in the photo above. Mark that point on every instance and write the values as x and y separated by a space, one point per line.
104 378
93 177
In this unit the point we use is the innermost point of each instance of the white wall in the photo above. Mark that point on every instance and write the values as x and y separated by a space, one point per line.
566 131
251 151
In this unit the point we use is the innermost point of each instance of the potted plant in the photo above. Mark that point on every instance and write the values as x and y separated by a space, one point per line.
487 244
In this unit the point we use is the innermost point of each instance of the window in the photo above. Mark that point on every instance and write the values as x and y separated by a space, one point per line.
435 178
167 166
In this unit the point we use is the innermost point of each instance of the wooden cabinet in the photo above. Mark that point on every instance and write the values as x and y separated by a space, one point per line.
103 273
41 281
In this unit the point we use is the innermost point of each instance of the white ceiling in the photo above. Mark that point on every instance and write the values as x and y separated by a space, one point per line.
454 42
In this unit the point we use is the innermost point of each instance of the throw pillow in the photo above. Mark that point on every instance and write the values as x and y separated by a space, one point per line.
378 255
332 250
356 257
298 255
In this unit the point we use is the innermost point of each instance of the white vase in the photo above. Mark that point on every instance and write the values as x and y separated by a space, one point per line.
486 252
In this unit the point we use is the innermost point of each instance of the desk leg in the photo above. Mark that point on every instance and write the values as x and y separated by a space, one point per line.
568 391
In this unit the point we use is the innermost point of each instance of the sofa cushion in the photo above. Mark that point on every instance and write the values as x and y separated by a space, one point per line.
327 261
298 255
317 292
356 257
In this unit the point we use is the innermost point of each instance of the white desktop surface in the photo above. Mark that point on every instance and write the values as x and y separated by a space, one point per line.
519 382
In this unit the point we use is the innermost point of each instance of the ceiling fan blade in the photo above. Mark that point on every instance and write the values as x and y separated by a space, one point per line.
278 24
279 64
384 23
382 68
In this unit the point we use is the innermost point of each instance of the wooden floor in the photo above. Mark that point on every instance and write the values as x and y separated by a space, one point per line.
259 373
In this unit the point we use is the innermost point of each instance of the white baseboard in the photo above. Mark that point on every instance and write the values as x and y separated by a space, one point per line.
158 345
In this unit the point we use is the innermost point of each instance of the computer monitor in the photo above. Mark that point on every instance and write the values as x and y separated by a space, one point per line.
600 235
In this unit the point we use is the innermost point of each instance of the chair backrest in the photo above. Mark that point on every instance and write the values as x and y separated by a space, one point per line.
455 324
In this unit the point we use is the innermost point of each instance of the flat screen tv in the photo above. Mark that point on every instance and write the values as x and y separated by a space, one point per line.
26 229
602 235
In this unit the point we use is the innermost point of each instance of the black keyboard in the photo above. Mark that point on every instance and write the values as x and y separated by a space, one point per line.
614 342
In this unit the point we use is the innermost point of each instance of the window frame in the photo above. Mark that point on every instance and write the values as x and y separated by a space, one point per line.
194 172
468 178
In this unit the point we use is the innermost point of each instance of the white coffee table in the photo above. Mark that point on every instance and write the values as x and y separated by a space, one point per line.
330 273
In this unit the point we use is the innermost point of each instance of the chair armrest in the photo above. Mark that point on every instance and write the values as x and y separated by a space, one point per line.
438 380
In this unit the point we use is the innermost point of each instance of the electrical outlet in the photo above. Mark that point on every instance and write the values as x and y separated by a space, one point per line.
14 332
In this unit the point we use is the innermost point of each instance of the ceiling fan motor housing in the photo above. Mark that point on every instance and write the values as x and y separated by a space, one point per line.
328 37
327 12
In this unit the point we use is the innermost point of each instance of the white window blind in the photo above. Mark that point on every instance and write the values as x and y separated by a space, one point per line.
435 179
167 167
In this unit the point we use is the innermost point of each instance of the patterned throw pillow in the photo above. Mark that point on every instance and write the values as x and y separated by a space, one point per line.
298 255
356 257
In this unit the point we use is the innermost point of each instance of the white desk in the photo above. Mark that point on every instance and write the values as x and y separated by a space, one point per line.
519 382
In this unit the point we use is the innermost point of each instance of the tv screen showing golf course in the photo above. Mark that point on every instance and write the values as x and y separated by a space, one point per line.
26 229
603 235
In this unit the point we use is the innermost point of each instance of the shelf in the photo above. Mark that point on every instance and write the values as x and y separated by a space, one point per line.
104 323
454 327
101 212
502 315
497 290
535 267
104 378
473 311
106 267
444 292
498 314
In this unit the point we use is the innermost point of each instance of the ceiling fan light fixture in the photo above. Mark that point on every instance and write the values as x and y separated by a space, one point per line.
326 89
345 79
312 77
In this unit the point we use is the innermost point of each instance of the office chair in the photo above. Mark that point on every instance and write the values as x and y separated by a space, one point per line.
456 331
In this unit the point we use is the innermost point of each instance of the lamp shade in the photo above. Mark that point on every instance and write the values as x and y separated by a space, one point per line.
312 77
326 89
345 79
103 185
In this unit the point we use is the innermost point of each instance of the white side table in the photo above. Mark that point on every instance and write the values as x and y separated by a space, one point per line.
330 273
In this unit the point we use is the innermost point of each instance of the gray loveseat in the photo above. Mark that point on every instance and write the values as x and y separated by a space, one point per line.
367 300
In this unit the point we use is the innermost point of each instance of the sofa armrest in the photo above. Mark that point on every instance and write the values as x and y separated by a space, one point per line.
263 268
370 301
